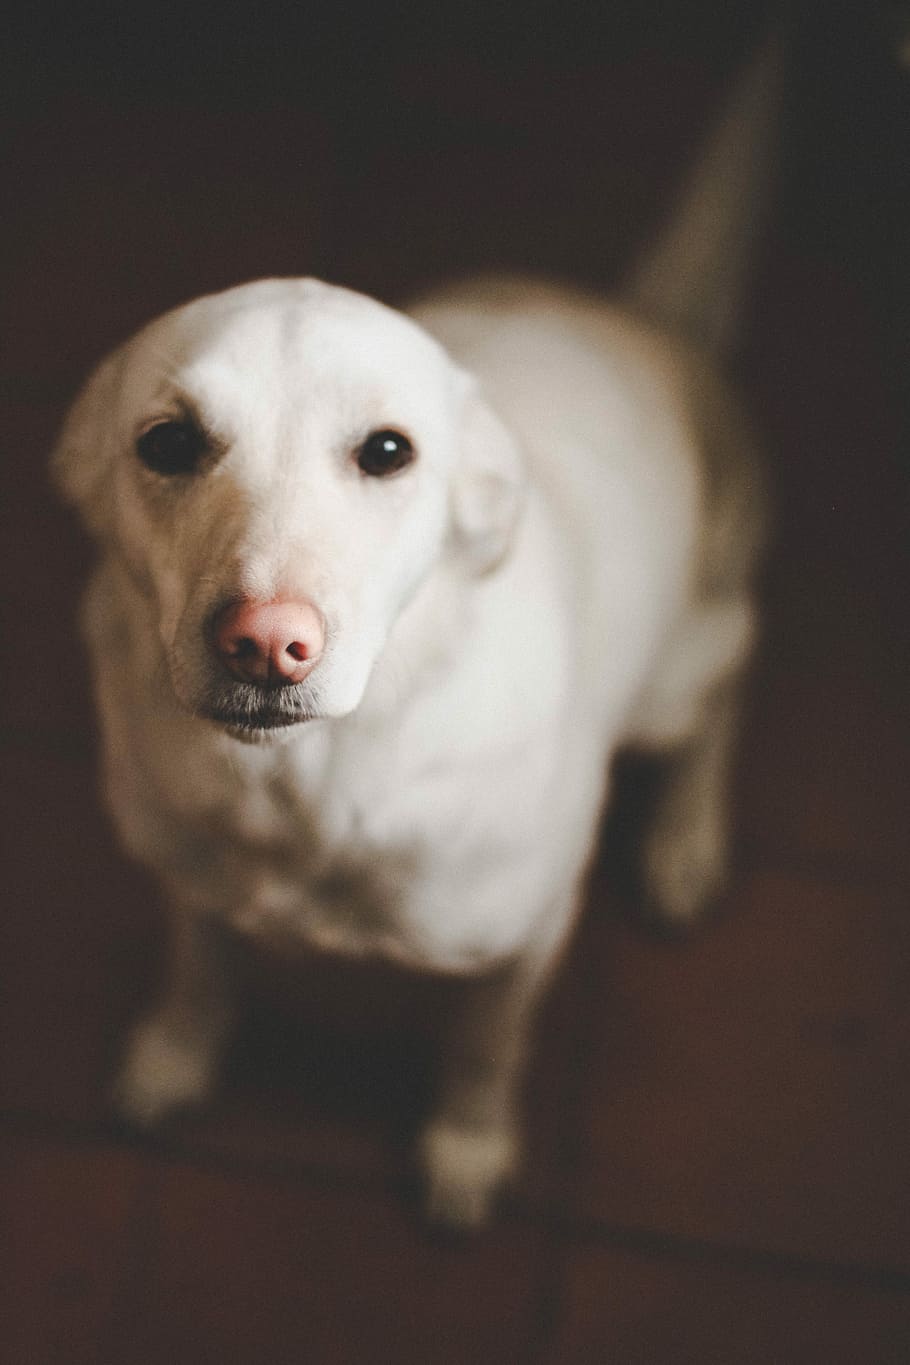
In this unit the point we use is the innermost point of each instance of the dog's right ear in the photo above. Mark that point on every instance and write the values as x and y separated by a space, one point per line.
489 484
86 445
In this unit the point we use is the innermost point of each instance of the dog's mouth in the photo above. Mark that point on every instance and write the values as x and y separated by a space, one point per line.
255 712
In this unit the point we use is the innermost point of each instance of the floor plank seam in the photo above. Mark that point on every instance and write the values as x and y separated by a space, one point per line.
562 1225
663 1245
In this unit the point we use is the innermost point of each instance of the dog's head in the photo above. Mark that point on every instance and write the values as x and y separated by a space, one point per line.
280 469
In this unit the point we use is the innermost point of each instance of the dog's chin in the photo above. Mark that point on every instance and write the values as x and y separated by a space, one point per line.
265 732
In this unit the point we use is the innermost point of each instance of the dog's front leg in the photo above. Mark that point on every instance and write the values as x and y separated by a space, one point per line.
173 1056
471 1145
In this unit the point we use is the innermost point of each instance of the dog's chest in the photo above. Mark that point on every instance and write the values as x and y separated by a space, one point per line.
313 852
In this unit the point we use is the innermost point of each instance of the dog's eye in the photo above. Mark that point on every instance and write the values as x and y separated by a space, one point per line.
385 452
171 447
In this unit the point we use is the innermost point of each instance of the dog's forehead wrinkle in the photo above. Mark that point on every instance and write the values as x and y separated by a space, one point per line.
323 350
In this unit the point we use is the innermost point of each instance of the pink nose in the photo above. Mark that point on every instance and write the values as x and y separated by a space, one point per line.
273 644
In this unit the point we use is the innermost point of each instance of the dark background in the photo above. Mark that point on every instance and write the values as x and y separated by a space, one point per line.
718 1127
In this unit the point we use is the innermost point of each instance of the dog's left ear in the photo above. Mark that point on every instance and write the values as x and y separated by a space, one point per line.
488 488
84 451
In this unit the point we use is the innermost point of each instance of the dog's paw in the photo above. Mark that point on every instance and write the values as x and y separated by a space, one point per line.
463 1171
162 1073
684 873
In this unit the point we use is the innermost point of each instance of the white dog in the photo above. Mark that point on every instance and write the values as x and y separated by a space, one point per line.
379 598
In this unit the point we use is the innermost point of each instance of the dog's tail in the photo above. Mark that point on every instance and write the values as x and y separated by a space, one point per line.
694 279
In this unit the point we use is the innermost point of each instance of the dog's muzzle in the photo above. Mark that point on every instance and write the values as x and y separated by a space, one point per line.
265 653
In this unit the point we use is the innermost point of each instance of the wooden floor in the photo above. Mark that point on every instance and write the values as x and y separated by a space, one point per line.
719 1127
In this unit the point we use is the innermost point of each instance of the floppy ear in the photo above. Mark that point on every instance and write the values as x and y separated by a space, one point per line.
86 444
488 485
